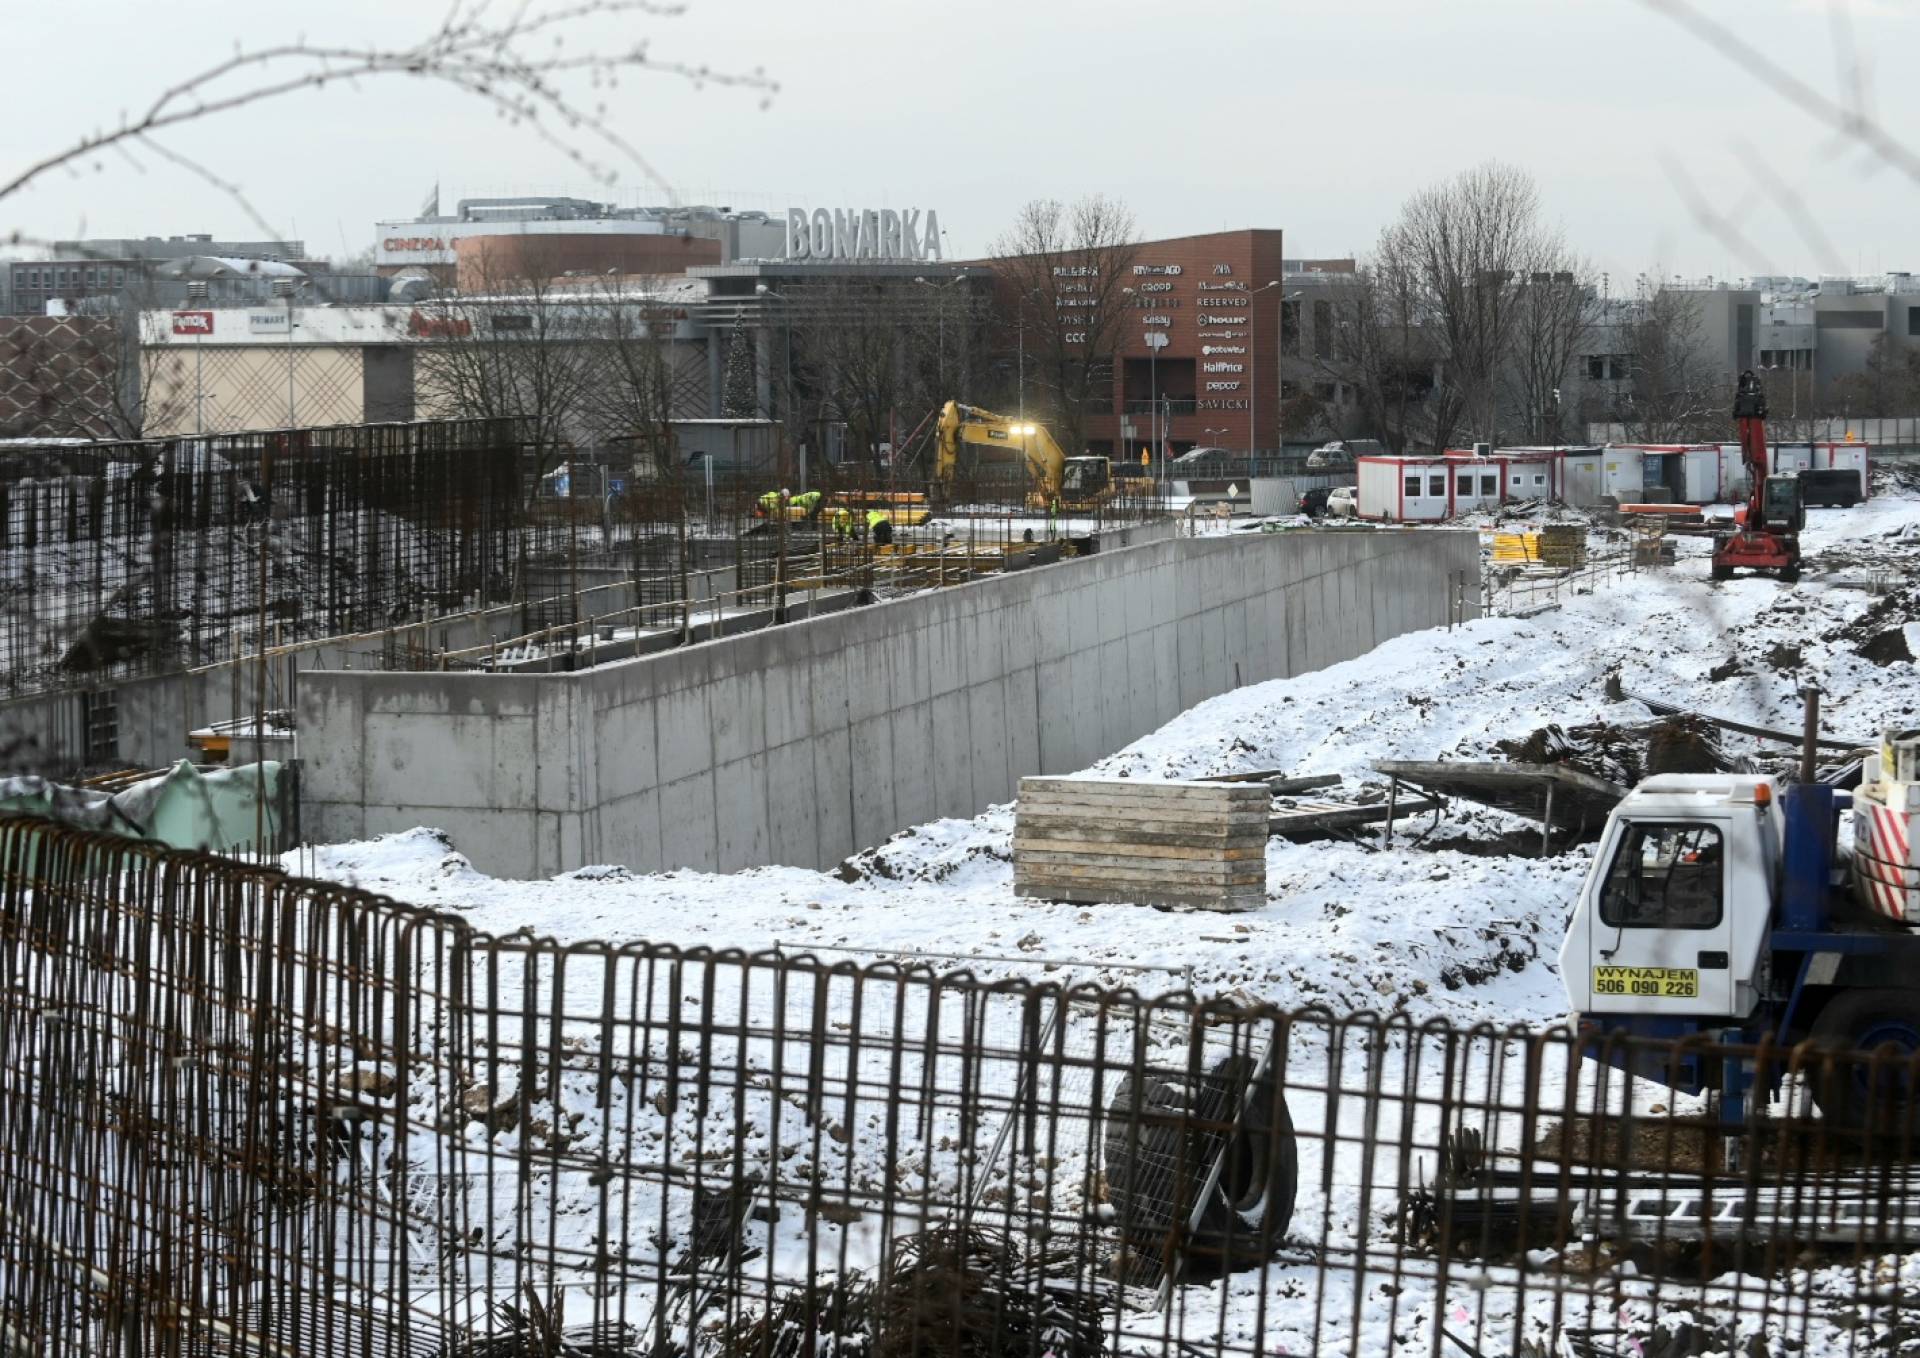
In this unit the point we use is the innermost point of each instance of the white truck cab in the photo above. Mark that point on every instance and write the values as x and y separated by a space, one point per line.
1673 918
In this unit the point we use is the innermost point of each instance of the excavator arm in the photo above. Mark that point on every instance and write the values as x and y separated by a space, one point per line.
963 424
1766 530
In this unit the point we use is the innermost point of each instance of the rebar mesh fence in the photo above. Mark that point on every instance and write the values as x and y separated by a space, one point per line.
119 560
122 559
687 557
247 1114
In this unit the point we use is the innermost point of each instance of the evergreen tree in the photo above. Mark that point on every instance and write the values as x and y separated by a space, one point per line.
737 398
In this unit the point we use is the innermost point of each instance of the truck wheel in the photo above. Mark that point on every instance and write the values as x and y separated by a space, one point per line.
1861 1095
1170 1131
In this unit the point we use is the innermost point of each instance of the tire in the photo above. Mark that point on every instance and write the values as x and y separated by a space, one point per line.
1722 572
1172 1131
1873 1099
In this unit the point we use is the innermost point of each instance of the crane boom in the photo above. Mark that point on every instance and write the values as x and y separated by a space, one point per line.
1766 531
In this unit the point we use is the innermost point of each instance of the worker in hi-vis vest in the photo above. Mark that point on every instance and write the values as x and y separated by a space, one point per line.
879 527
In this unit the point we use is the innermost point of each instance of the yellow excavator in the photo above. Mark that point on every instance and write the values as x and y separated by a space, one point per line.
1077 483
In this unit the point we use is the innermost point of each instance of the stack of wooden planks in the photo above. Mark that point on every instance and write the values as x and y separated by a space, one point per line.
1195 844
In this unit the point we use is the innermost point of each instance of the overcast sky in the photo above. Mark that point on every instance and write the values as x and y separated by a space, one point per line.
1315 116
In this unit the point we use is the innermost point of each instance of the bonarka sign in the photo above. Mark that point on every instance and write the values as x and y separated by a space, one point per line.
863 233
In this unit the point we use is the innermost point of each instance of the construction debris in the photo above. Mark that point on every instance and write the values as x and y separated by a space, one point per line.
1556 795
1300 819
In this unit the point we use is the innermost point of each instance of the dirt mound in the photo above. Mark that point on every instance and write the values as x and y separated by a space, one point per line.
1886 648
1614 753
1684 745
1623 755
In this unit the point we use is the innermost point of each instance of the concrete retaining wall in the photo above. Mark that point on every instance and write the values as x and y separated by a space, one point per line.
803 744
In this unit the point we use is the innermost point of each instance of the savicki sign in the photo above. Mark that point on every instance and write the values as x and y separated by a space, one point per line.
863 233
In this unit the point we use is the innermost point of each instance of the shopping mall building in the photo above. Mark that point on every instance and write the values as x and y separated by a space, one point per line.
1196 355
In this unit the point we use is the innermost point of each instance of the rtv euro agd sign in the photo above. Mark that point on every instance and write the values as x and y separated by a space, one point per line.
863 233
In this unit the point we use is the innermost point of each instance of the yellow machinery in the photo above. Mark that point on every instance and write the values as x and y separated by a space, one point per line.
1078 483
906 509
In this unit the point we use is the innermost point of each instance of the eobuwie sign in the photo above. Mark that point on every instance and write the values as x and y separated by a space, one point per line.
863 233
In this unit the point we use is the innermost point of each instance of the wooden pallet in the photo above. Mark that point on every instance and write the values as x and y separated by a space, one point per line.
1126 840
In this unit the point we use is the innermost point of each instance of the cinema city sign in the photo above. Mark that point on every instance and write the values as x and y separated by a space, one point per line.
863 233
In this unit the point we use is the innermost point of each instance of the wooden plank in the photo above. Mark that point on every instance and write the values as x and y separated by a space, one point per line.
1149 859
1330 817
1135 809
1058 850
1664 709
1304 783
1144 816
1278 781
1144 832
1137 789
1218 874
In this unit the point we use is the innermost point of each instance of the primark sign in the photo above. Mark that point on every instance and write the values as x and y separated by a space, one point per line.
881 235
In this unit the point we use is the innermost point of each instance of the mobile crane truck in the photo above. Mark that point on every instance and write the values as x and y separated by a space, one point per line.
1720 905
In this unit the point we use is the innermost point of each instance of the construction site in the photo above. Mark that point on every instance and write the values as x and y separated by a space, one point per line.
474 901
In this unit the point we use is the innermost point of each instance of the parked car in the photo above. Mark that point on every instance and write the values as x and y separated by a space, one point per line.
1343 502
1340 453
1313 503
1200 455
1830 486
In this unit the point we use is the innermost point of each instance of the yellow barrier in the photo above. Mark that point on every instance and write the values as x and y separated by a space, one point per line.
1510 549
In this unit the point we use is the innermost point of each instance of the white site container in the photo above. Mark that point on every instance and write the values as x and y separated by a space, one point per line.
1403 489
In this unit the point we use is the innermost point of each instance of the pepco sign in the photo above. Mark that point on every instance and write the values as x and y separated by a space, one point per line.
193 322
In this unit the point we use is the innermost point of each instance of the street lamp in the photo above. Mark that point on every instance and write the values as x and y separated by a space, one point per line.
786 309
1253 367
940 306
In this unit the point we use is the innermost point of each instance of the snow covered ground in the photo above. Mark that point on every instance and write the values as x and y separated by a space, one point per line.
1463 934
1337 929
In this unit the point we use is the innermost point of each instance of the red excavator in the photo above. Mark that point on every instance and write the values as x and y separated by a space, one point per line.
1766 530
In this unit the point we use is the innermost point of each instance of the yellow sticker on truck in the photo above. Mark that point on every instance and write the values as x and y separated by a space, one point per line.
1672 983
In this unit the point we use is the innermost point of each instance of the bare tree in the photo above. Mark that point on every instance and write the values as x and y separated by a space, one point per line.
1067 272
1676 390
527 61
1554 317
516 59
641 381
518 346
1888 383
1464 248
852 342
1383 351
